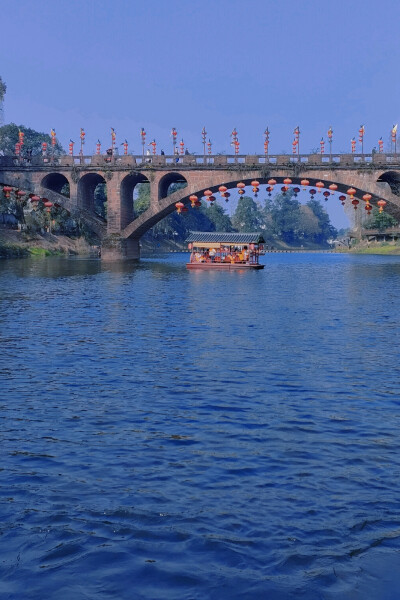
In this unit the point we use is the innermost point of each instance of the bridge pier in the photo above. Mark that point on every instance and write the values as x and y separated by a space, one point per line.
114 248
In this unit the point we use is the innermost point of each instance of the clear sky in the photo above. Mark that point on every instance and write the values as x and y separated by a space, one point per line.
221 64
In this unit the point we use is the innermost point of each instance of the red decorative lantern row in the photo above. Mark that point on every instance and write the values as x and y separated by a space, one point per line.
381 203
71 147
53 137
182 147
305 183
193 199
143 139
353 145
209 147
82 137
320 185
380 145
296 142
203 136
21 136
342 199
235 141
361 133
98 147
322 146
330 139
125 145
44 148
153 145
174 135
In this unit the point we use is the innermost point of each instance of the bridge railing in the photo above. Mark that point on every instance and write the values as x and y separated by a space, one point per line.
194 160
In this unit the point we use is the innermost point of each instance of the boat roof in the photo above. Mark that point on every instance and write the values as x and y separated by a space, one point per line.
225 238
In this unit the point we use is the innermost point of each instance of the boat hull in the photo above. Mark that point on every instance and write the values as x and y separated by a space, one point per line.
222 266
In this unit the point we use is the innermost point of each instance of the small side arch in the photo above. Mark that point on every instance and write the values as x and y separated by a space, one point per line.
170 183
90 185
56 182
127 191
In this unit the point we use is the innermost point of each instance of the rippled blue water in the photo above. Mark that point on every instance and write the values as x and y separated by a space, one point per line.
168 434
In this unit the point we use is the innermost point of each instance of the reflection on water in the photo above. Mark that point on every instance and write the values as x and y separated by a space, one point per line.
176 434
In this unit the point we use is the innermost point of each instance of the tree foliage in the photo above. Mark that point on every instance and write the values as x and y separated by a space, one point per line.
3 89
380 221
33 140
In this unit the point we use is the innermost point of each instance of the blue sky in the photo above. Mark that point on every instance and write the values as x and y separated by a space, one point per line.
219 63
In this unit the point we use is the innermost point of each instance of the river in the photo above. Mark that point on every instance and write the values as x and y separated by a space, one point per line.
168 434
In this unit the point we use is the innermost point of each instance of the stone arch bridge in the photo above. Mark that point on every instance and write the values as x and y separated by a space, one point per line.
377 174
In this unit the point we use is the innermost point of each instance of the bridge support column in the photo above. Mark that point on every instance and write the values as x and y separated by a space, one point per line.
114 248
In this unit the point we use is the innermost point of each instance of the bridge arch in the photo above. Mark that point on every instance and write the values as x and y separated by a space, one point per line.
127 190
87 186
56 182
165 183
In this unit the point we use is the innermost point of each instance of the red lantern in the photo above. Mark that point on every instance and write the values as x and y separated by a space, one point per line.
326 194
351 192
304 183
284 189
342 199
255 190
35 198
222 189
269 189
207 193
179 206
193 199
287 181
20 193
47 203
226 196
381 203
241 185
211 198
319 185
7 189
312 193
272 182
355 203
333 187
255 183
197 204
367 198
296 191
368 208
185 209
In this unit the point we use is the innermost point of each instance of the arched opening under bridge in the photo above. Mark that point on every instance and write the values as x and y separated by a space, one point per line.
170 183
135 197
92 194
56 182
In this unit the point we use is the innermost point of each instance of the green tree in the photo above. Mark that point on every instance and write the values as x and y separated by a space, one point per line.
285 213
380 220
247 216
33 140
3 89
217 217
142 201
326 229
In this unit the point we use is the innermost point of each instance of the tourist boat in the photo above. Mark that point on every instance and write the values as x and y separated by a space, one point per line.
224 251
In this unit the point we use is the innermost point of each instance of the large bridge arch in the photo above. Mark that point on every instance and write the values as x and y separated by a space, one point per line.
197 183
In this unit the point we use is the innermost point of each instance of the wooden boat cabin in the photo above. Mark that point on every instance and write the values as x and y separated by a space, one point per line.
216 250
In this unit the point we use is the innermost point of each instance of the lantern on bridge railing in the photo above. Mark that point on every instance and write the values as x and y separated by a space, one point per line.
320 185
71 148
241 187
380 145
182 147
381 203
305 183
342 199
153 145
353 145
322 146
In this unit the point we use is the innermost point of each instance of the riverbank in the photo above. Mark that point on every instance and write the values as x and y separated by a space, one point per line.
17 244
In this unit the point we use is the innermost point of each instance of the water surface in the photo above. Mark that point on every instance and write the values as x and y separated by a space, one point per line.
169 434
